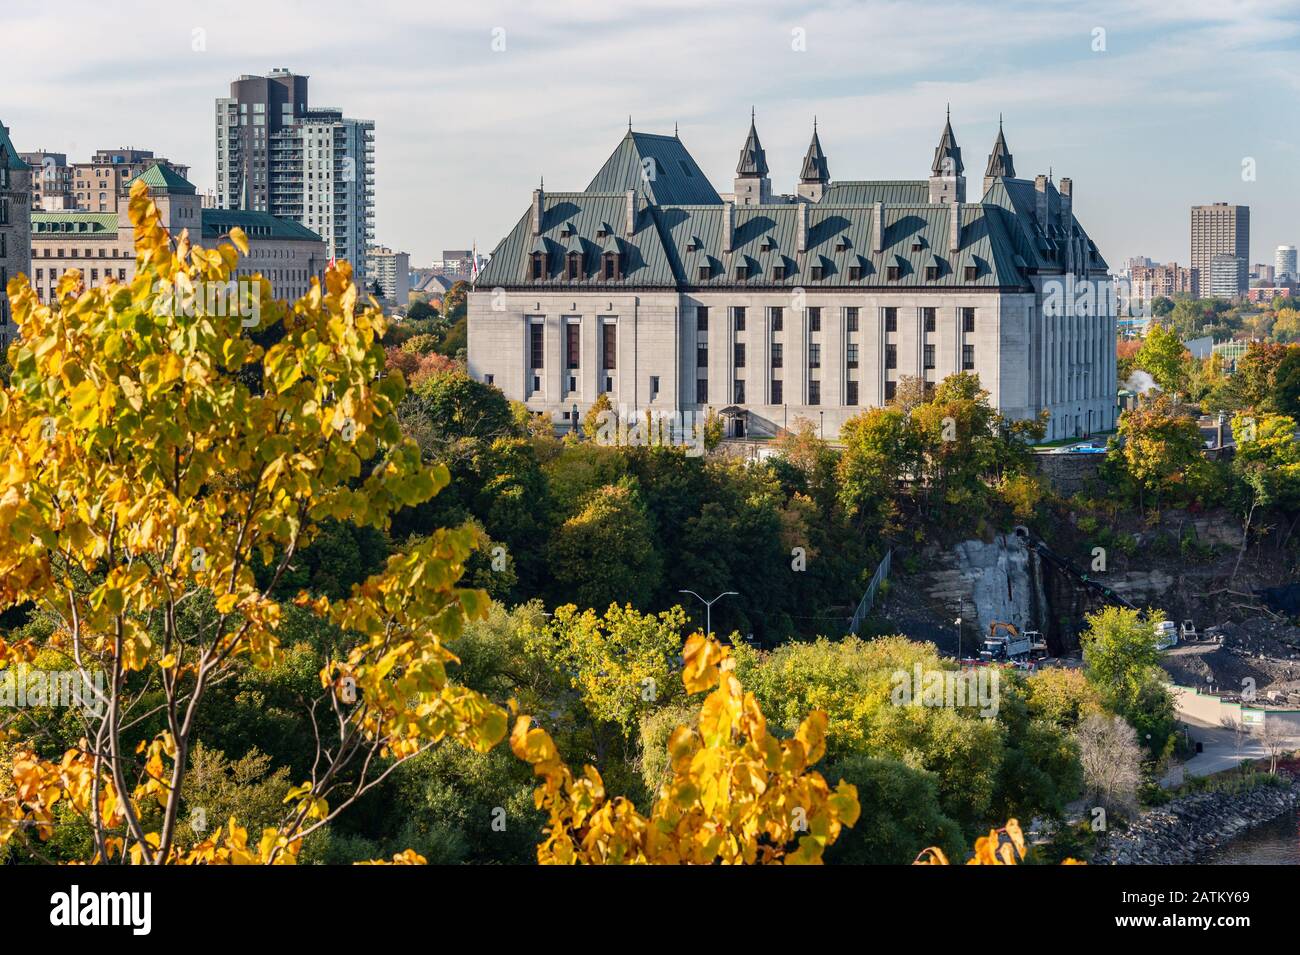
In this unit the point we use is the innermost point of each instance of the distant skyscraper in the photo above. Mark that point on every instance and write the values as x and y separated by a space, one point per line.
276 154
1219 229
1225 277
392 270
1284 264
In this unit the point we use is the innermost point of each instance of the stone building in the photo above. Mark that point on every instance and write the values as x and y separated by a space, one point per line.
102 245
652 288
15 225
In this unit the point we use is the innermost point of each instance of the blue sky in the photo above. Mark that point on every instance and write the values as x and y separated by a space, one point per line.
1160 119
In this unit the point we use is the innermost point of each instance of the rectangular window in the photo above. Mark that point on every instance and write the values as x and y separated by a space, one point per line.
851 318
972 273
742 273
855 273
535 332
572 344
851 355
778 273
609 346
968 319
776 391
929 356
891 273
776 355
967 357
778 318
891 356
702 318
931 273
891 319
814 319
738 316
738 392
539 265
701 355
851 393
817 273
740 354
654 387
814 355
702 391
814 392
890 388
927 315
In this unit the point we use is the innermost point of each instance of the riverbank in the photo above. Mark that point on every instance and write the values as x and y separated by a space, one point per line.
1189 828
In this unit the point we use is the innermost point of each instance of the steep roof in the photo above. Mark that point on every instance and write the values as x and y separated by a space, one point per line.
947 155
102 224
656 167
903 192
162 178
814 161
1000 163
9 158
256 225
753 161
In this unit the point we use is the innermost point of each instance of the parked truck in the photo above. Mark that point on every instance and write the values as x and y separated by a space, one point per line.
1007 644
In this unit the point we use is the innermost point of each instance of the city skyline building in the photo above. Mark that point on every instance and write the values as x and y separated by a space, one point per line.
1219 229
98 185
1284 264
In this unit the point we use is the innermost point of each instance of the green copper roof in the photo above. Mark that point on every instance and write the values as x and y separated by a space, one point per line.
165 179
9 158
657 167
74 223
902 192
256 225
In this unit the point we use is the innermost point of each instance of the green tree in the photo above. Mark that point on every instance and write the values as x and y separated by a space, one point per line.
606 554
1162 355
1159 447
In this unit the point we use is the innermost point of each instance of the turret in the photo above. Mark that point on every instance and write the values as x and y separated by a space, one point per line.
947 184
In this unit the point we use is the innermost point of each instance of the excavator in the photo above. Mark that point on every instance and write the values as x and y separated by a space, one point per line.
1006 643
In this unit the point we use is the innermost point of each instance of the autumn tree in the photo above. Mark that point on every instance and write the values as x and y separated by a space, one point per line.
1161 356
1159 447
159 464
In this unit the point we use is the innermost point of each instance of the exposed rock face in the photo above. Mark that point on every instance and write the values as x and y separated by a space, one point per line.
1189 828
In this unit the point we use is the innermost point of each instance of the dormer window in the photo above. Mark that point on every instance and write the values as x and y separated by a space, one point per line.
778 273
602 232
842 245
891 273
609 267
768 244
742 273
931 273
817 273
917 245
539 265
706 272
855 273
567 230
693 245
971 273
573 269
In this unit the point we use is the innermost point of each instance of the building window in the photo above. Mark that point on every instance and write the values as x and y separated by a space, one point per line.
777 314
705 273
701 318
891 387
738 316
968 319
654 387
740 354
742 273
778 273
855 273
929 356
609 346
817 273
851 318
931 273
891 319
539 264
891 356
967 357
891 273
609 266
851 393
489 379
972 273
572 333
535 345
776 355
574 266
927 315
777 397
814 392
851 356
814 319
814 355
738 392
702 391
701 355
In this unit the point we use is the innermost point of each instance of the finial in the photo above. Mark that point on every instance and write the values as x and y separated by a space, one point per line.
948 112
629 122
751 116
999 122
814 122
676 134
542 184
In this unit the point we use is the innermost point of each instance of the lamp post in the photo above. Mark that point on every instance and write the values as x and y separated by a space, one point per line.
708 606
575 418
958 623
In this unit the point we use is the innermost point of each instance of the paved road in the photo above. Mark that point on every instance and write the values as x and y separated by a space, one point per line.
1221 749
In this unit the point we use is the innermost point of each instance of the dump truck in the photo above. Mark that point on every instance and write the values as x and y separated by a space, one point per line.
1006 643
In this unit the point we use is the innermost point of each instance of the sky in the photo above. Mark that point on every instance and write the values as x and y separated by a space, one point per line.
1149 106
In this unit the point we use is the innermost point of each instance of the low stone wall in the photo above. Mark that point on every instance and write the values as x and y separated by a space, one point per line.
1190 827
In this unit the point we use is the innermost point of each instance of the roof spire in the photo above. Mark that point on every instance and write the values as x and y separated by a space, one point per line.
676 133
814 161
1000 164
629 122
947 155
753 161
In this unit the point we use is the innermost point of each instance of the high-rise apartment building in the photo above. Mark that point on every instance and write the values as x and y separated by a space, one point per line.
95 186
15 225
1155 280
1219 229
1284 264
278 154
392 271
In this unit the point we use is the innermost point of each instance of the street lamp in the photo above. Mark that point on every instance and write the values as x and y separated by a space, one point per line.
958 623
575 417
708 606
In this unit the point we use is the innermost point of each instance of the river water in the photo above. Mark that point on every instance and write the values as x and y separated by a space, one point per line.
1275 843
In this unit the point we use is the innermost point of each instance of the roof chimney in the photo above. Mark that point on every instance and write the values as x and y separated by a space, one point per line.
629 214
954 227
539 198
801 219
1040 202
877 228
728 227
1067 219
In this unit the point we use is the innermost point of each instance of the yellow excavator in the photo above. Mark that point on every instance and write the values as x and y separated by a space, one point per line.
1006 643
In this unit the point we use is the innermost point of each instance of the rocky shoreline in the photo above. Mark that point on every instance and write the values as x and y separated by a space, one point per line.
1190 827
